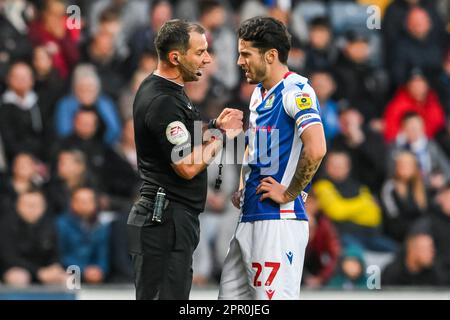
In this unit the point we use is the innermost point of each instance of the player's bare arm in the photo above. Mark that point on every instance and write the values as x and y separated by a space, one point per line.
314 149
236 197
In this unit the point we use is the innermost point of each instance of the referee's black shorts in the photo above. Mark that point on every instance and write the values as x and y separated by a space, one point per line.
162 253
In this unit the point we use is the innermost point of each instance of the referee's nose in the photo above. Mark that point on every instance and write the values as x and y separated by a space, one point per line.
207 58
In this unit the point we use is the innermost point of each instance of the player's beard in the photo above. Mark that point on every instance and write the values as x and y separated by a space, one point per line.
258 74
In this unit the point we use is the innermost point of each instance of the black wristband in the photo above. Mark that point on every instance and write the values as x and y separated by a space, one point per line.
212 124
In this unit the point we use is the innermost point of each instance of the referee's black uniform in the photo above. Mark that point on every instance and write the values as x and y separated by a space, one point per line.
162 253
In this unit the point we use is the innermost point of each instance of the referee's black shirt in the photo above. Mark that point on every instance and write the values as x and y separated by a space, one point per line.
163 119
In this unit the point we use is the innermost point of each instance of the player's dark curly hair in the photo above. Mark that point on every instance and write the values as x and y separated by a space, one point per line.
174 35
267 33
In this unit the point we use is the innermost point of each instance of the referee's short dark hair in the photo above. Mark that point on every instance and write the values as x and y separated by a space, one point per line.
174 35
267 33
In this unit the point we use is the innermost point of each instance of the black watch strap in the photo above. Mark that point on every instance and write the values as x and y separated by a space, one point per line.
212 124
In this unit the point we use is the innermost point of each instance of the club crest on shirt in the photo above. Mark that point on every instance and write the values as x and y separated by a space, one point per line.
269 102
177 133
303 101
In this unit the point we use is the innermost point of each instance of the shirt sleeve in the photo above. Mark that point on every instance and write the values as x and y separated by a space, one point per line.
167 123
302 105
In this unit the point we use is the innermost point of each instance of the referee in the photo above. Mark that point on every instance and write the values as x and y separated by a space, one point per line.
163 225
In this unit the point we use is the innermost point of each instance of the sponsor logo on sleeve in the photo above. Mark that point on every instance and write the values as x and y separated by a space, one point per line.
303 101
177 133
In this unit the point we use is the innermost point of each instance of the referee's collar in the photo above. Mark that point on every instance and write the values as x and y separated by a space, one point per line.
178 84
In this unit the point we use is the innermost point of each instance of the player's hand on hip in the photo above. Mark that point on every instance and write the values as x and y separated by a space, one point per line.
272 189
236 199
230 121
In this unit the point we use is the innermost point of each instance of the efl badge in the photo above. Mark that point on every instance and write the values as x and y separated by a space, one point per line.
303 101
269 102
177 133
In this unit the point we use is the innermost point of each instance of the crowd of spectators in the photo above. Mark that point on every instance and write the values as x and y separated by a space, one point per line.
68 172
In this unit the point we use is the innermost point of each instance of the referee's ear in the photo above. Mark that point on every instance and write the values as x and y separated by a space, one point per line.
173 57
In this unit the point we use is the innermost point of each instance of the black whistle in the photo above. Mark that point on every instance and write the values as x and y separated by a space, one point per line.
219 177
218 183
158 207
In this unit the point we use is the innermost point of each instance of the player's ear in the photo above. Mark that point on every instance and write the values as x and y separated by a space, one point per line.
271 55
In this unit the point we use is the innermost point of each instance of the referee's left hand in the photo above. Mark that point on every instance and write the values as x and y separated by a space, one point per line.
272 189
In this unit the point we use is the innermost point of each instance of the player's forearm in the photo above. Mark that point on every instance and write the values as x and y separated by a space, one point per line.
307 166
241 177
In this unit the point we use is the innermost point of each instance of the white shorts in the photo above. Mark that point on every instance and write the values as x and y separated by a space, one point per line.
265 260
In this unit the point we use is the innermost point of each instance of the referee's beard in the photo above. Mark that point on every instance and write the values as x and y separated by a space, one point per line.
188 73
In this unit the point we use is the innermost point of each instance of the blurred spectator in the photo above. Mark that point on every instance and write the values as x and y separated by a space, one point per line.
443 84
28 249
415 96
418 48
48 84
14 42
121 269
350 205
110 24
434 165
71 173
351 270
414 265
321 53
323 248
87 94
86 138
296 57
50 31
148 61
437 224
403 196
128 94
363 86
443 138
222 40
143 39
251 8
120 176
3 161
132 14
101 53
83 240
21 122
394 26
325 86
24 177
365 147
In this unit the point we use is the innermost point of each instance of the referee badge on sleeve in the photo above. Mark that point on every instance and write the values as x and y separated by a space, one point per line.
177 133
303 101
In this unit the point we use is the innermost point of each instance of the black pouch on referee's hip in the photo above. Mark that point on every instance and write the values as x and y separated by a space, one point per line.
141 214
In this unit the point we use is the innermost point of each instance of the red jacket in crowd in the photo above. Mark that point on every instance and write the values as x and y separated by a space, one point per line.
64 50
430 110
323 250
